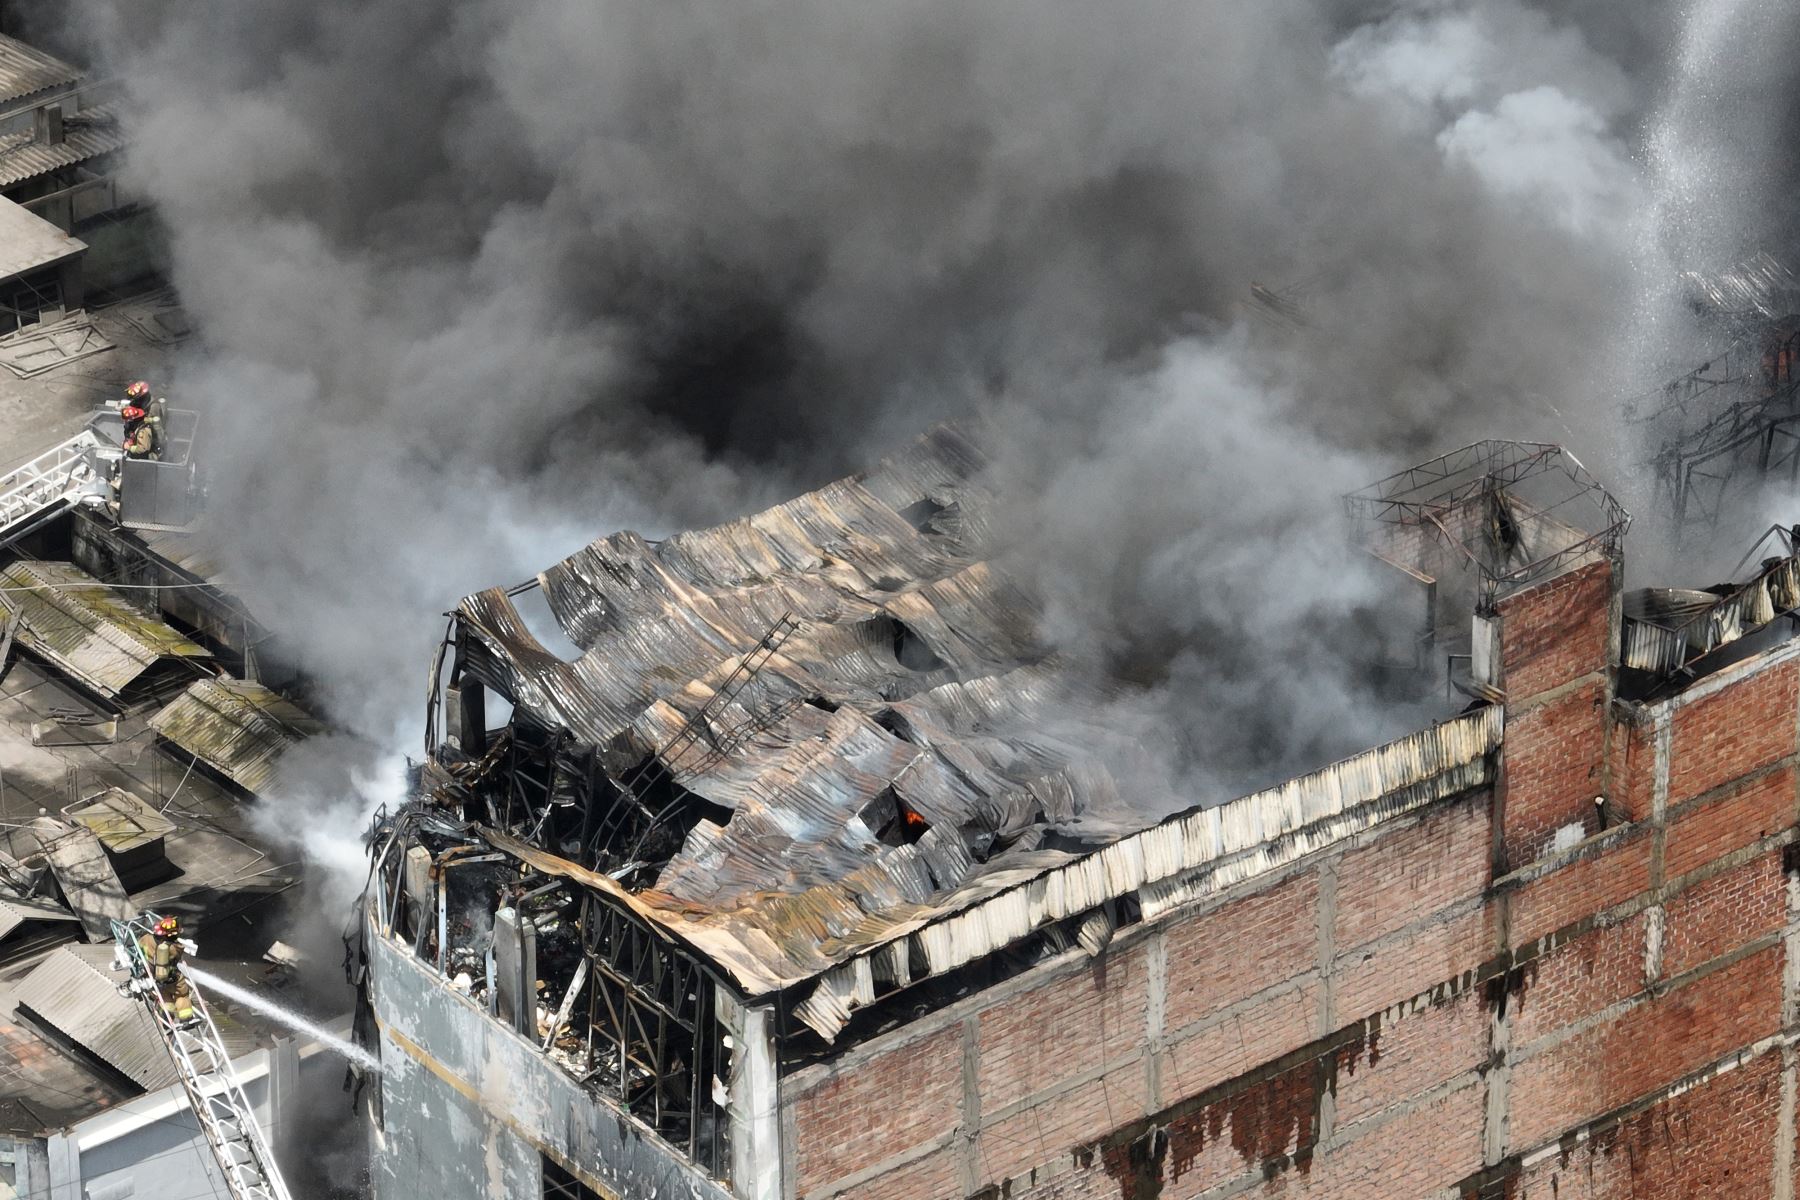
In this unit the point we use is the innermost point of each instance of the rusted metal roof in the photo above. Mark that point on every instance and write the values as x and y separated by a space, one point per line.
75 992
914 686
84 627
26 70
86 135
238 728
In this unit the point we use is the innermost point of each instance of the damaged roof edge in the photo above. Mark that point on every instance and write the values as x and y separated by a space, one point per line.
1194 853
1184 856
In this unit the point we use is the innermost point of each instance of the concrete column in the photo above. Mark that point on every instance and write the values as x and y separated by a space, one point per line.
31 1168
419 901
754 1107
515 970
64 1167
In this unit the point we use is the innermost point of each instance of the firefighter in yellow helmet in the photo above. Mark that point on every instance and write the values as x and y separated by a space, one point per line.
162 949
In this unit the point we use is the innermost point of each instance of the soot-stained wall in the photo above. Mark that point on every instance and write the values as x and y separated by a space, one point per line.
1447 1004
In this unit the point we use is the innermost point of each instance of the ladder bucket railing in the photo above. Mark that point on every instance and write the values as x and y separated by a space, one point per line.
57 476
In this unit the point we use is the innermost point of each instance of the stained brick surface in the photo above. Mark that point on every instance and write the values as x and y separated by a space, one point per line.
1412 873
1408 1157
1747 725
1578 979
1648 1047
1556 631
1702 832
1208 968
1241 1040
1716 1141
1397 969
1578 888
1724 912
892 1102
1048 1129
1405 1056
1552 754
1081 1023
1367 1078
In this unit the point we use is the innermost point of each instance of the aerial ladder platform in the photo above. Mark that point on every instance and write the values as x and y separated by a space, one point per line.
204 1064
65 476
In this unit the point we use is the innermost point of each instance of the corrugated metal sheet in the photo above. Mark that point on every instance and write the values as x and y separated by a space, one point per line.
84 627
914 683
238 728
1664 630
75 992
16 910
26 70
86 136
87 878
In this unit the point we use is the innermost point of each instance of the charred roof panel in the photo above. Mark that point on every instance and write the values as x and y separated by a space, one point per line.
84 627
871 710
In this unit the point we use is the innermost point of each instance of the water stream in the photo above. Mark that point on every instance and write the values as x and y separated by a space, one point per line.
282 1014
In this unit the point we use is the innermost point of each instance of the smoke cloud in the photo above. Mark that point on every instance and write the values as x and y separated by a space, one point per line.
480 281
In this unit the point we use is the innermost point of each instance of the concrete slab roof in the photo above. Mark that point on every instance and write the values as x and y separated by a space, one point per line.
29 243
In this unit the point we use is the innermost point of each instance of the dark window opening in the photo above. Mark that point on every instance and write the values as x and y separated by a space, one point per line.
561 1185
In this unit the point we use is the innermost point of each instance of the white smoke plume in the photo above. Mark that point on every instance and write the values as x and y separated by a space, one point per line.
480 280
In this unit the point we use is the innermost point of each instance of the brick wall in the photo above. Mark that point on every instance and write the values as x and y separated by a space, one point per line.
1555 654
1389 1018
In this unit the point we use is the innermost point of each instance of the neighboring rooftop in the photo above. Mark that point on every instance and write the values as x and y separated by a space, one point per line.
87 135
28 73
28 242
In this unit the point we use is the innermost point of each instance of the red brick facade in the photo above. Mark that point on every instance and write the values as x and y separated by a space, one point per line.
1460 1002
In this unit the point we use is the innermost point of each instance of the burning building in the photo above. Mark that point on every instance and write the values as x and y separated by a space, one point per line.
783 860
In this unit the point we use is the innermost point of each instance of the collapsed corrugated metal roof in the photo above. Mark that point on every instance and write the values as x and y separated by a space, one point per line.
868 707
238 728
75 992
121 821
84 627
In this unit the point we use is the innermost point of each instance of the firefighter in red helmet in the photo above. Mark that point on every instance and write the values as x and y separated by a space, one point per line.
162 948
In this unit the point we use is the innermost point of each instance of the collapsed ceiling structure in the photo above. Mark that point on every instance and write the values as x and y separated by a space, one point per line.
802 733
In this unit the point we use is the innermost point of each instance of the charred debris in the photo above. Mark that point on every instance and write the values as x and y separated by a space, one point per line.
817 763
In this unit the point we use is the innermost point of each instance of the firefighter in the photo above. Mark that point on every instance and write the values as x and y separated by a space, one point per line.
143 419
162 948
140 435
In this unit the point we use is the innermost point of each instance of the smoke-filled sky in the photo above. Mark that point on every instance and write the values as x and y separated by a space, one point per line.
481 280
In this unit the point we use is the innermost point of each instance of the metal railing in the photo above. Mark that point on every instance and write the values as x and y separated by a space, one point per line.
58 476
